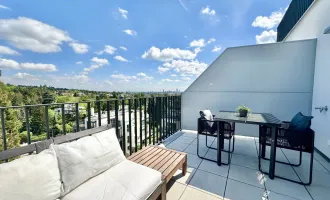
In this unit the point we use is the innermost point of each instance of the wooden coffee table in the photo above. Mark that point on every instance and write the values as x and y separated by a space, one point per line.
166 161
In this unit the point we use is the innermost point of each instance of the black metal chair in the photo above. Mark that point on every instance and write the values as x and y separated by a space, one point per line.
302 141
209 128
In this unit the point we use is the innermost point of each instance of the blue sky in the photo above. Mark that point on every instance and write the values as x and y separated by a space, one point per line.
124 45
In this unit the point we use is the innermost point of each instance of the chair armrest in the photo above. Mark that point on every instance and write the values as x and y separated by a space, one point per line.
285 124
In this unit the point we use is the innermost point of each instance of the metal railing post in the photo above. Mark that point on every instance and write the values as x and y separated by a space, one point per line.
108 112
160 119
140 110
130 125
3 126
77 117
116 118
63 120
47 122
99 113
149 121
89 123
145 122
124 128
135 125
153 120
27 124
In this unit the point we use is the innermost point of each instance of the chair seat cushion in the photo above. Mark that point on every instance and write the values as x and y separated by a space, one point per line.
31 177
127 180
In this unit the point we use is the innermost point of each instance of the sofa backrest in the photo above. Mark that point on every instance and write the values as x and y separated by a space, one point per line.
87 157
31 177
42 145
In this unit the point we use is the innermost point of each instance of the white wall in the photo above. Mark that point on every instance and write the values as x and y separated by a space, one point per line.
273 78
313 23
321 95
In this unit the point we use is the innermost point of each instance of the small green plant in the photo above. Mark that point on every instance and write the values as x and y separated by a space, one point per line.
243 107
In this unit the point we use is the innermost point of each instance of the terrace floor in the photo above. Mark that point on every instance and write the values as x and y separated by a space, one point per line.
241 180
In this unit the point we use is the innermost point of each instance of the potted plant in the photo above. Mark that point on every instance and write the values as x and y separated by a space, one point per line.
243 111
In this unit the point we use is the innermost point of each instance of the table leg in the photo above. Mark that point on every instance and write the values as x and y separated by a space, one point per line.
273 153
218 144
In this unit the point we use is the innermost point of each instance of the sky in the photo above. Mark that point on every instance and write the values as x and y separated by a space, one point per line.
126 45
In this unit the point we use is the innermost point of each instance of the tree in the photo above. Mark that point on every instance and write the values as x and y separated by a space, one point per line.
48 98
12 123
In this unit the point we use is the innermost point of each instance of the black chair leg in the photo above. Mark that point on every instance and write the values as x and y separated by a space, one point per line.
263 150
203 157
298 182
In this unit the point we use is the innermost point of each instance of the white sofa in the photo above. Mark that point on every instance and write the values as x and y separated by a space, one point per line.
90 168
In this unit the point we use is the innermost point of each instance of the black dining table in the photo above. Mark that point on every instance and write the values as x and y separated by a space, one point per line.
255 119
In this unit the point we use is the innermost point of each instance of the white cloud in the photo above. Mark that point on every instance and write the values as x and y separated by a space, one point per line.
29 34
123 48
99 61
123 12
26 76
207 11
163 69
79 48
38 66
123 77
173 75
211 40
266 37
269 22
168 54
81 78
91 68
167 80
107 49
4 7
186 78
11 64
141 74
197 43
79 63
7 51
216 48
108 82
130 32
186 67
8 64
120 58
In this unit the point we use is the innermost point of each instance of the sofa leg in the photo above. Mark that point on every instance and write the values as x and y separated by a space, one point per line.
163 194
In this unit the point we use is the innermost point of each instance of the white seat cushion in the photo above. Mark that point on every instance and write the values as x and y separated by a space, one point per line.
87 157
125 181
32 177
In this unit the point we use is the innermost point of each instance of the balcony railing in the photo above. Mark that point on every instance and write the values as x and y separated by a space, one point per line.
137 122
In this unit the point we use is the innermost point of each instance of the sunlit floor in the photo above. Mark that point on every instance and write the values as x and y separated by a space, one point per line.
241 180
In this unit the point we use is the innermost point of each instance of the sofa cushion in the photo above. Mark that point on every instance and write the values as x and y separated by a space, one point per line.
32 177
127 180
87 157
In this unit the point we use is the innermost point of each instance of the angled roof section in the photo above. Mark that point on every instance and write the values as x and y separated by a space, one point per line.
294 13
